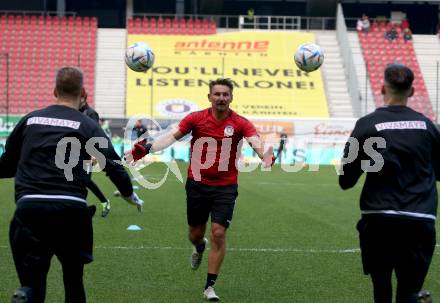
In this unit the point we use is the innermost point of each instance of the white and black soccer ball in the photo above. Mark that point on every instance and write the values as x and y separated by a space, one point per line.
309 57
139 57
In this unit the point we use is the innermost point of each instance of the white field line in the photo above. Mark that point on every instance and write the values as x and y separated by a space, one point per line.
158 177
233 249
296 184
236 249
335 184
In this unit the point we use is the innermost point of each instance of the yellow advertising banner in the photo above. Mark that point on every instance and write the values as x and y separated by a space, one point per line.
267 81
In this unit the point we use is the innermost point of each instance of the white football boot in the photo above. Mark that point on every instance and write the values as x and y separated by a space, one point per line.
105 208
196 257
140 205
210 295
21 295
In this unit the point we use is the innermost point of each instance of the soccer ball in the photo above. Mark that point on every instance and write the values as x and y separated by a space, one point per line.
308 57
139 57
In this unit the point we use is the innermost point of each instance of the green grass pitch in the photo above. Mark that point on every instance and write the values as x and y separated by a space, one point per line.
292 239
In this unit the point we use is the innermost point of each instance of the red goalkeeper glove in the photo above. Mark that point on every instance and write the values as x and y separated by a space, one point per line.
139 150
269 158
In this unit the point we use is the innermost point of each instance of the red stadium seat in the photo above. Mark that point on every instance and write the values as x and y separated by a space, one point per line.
40 20
93 22
160 26
167 26
190 27
26 20
377 35
137 22
205 23
182 26
18 20
130 24
11 19
70 20
63 22
167 30
56 23
78 21
153 25
213 26
175 26
86 21
49 20
14 109
197 27
145 23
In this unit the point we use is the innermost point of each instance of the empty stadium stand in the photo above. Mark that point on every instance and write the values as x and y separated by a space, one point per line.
366 97
378 52
427 49
335 82
110 73
37 46
168 26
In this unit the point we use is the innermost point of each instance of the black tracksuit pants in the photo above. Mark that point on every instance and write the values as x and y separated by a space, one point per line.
41 229
402 245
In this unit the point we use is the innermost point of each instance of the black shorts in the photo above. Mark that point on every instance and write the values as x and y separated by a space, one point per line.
59 227
204 200
406 245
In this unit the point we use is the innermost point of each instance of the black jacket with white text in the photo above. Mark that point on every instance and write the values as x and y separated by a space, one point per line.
46 153
405 186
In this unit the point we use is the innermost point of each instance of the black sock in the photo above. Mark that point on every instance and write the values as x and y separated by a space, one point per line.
210 280
201 247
